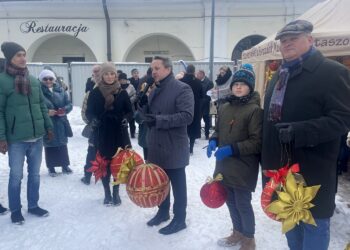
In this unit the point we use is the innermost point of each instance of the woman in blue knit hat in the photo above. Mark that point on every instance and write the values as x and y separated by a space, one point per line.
237 145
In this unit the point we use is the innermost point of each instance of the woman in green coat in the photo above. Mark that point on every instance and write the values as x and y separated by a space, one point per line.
238 135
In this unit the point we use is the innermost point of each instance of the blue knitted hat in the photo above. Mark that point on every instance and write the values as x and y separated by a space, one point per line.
245 74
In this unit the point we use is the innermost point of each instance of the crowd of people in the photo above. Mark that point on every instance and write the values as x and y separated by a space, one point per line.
306 111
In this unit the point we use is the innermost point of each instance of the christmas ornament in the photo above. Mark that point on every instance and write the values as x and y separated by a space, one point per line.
213 193
123 162
293 204
273 66
98 167
148 185
277 180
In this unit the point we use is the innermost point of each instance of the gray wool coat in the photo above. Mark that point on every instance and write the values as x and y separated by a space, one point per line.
173 104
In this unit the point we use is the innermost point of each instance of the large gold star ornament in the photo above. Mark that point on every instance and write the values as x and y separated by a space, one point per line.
293 204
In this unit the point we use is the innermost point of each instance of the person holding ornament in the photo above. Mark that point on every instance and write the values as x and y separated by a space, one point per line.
108 107
306 111
168 113
237 141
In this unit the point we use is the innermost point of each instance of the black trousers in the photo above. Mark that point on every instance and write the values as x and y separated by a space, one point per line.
178 184
132 127
91 155
145 153
192 140
207 122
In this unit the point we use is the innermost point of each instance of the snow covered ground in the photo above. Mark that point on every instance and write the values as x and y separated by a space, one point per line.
78 220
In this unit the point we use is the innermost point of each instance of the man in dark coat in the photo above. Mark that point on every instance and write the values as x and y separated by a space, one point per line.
171 107
194 129
206 86
307 109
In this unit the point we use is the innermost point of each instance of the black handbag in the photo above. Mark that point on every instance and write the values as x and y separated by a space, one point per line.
87 131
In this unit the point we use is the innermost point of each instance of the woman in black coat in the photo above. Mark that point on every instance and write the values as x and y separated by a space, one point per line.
108 108
194 129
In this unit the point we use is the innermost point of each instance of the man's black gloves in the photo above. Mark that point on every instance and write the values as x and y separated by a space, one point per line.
285 132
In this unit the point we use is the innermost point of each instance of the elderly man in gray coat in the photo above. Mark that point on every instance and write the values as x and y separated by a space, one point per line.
170 110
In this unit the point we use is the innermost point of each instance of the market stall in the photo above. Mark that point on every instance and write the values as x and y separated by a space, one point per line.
331 32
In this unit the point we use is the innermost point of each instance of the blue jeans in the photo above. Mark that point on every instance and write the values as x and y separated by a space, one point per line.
241 211
308 237
17 151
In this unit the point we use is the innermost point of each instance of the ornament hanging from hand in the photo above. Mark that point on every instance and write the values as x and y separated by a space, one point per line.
213 193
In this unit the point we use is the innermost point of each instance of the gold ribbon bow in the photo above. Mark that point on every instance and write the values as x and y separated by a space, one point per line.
293 204
218 177
125 169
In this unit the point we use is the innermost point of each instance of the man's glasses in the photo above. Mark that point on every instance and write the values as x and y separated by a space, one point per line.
47 79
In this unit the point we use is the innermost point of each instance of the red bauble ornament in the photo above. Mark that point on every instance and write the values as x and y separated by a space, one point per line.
148 185
213 194
277 181
121 156
273 65
266 196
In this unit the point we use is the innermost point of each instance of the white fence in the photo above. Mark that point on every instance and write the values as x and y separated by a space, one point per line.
76 74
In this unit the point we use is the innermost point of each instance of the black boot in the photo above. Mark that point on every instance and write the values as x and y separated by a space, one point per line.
66 170
3 210
85 180
174 227
160 217
52 171
116 198
38 211
108 197
17 217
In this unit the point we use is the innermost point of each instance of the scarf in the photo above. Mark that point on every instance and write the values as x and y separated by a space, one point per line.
277 98
22 82
239 100
221 80
108 91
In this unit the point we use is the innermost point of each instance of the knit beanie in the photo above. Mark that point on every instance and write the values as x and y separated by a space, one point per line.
107 67
10 49
244 74
122 76
46 73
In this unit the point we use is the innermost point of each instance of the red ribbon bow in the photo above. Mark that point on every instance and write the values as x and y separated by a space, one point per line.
279 176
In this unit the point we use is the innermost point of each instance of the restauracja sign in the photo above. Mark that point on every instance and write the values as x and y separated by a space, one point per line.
32 26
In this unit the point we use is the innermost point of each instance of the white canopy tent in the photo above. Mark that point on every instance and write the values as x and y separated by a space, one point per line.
331 20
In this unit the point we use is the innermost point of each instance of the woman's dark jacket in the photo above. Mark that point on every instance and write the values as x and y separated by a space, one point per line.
194 129
109 130
56 99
